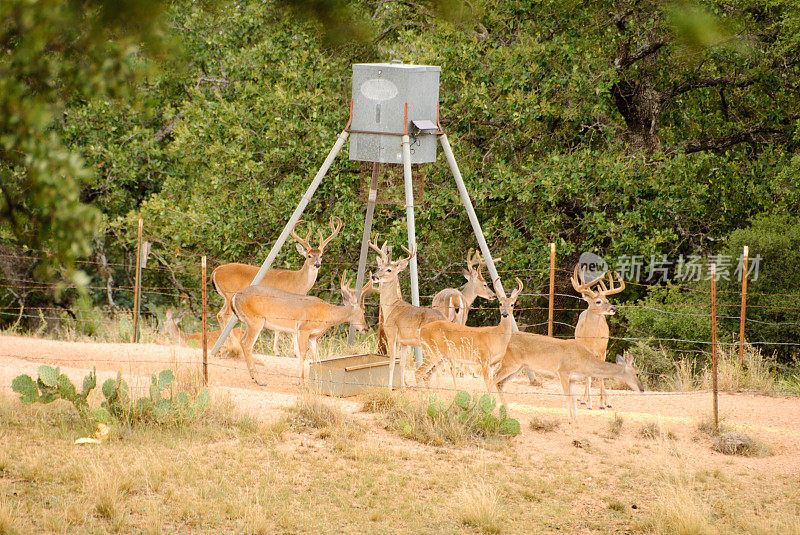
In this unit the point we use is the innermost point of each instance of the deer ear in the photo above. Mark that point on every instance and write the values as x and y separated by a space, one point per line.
629 361
300 249
402 264
621 360
467 274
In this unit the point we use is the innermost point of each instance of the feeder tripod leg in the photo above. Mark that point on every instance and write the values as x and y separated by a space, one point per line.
362 259
412 237
276 248
473 219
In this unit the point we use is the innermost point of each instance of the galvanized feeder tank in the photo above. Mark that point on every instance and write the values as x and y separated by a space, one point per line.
380 94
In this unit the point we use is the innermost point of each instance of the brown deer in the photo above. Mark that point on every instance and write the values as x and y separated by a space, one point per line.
569 360
230 278
306 317
401 321
483 345
592 329
455 304
171 333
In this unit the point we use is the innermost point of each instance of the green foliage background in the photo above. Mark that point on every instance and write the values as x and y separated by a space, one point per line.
622 128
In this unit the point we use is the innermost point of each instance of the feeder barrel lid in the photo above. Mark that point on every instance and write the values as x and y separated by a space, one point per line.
404 66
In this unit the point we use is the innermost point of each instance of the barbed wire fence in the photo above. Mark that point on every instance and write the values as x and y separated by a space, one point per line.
544 311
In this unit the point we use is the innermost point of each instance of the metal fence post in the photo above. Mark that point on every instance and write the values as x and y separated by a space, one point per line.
745 253
713 273
205 313
552 289
137 286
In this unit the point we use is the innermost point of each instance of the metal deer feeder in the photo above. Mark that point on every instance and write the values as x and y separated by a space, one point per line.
394 119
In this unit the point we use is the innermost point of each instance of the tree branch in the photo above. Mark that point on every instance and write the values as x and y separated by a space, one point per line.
750 134
697 83
625 59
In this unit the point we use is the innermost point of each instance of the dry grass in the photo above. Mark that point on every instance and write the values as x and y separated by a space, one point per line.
327 420
615 426
656 431
544 425
683 379
706 425
8 516
679 510
478 506
407 415
735 443
231 473
733 376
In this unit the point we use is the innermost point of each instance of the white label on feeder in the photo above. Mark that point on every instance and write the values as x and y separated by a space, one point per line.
379 89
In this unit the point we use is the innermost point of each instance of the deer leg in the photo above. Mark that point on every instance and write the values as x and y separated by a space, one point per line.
503 375
312 344
224 315
300 346
275 349
403 357
588 393
603 395
569 393
248 341
391 346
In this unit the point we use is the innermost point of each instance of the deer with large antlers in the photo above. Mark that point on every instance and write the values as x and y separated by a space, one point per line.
569 360
482 345
592 328
401 321
230 278
306 317
455 304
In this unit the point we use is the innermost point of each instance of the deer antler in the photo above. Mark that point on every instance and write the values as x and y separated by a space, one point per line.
584 288
473 260
367 289
611 290
302 241
336 226
347 290
410 253
476 262
383 250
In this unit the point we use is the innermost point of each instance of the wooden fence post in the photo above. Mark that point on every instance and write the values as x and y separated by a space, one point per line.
552 289
137 283
713 273
745 253
205 313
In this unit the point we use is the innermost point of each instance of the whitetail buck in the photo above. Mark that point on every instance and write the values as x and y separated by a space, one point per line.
569 360
230 278
592 329
482 345
455 304
304 316
171 333
401 321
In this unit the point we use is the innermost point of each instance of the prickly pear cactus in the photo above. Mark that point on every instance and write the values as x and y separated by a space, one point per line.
52 385
479 411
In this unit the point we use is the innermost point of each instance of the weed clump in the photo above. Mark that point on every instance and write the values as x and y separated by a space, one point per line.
735 443
479 507
544 425
654 431
615 426
464 420
311 413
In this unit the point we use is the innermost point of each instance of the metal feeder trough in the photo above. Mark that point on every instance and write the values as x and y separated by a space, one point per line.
352 374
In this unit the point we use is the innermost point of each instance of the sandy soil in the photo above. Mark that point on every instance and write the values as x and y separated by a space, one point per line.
775 420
